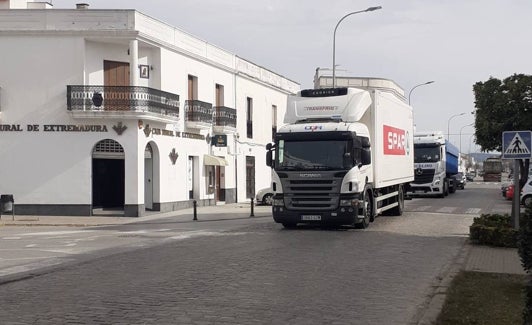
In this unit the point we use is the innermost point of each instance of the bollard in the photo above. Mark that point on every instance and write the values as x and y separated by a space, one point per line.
252 214
195 204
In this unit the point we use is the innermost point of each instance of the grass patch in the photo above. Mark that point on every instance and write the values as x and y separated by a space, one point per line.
484 298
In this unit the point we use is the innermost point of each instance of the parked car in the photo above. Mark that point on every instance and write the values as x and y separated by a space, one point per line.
509 193
264 196
526 193
504 186
460 180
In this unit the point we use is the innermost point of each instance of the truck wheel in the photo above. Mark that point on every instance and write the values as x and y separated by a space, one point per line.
398 210
447 187
367 211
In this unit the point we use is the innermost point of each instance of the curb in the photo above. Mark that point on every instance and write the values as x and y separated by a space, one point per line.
432 308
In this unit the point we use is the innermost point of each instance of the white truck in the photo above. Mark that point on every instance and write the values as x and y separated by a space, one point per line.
343 156
435 165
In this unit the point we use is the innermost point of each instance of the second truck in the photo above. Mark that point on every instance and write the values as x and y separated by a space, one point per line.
435 164
343 156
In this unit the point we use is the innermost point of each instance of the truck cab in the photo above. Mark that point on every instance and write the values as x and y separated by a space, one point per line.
435 163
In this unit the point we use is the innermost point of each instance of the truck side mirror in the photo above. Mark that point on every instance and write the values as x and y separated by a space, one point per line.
269 155
365 156
269 160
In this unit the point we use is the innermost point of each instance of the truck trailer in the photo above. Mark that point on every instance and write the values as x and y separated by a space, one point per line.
435 164
342 157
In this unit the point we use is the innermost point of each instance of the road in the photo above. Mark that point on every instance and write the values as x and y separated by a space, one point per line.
247 271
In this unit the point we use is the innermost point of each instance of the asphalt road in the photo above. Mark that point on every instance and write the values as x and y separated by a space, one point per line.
247 271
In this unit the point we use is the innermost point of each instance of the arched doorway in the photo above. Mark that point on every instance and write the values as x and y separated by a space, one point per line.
151 176
108 176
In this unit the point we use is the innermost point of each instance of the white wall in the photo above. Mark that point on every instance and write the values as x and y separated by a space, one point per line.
56 167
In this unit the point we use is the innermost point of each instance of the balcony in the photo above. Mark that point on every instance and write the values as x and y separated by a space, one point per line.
224 120
198 114
126 102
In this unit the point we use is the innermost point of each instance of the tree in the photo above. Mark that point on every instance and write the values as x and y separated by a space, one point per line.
503 106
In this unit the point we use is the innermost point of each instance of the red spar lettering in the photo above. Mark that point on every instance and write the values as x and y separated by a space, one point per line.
394 140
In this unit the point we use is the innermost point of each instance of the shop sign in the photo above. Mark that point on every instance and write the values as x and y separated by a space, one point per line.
219 140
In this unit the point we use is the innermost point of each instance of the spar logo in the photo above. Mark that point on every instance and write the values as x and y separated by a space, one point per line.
395 141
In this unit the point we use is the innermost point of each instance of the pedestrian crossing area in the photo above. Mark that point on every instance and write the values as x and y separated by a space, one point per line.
444 210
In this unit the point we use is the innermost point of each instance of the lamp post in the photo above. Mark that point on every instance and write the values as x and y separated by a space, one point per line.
334 37
449 121
461 134
423 84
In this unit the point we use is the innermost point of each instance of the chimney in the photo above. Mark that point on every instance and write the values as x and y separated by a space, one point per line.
82 6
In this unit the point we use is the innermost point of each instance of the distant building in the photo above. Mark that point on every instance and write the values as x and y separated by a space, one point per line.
113 109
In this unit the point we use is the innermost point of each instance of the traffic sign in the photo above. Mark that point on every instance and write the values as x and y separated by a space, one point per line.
517 144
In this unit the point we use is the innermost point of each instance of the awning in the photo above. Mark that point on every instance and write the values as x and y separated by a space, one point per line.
209 160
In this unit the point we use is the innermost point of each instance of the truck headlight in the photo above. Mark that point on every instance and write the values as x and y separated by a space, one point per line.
349 203
278 202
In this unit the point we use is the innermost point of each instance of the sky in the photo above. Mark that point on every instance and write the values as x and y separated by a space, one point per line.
454 43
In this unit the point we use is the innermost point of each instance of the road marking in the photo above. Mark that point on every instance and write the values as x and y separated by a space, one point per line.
53 233
473 211
11 238
421 208
446 210
191 234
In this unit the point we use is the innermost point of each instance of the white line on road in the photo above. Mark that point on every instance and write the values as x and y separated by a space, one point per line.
421 208
446 210
52 233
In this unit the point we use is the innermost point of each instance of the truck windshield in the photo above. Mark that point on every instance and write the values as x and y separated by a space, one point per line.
426 154
314 155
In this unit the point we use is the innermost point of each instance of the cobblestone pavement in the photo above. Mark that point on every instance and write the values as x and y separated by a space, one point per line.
256 274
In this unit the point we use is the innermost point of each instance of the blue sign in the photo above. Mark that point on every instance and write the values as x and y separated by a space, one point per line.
517 144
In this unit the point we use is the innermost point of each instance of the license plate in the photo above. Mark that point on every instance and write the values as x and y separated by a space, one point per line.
310 217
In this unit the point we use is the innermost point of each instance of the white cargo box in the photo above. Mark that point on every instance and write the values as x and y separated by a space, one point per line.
391 124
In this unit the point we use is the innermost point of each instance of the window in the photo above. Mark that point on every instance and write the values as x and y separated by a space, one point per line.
249 117
219 100
250 177
192 87
274 120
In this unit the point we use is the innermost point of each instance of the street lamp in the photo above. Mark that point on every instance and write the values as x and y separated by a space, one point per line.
334 37
449 121
423 84
461 134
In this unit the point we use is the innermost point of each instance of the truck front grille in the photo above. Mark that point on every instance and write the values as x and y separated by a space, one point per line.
316 194
426 176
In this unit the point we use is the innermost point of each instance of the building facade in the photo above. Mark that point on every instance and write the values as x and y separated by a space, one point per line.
115 110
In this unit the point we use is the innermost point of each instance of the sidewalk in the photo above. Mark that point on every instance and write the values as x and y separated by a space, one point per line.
203 213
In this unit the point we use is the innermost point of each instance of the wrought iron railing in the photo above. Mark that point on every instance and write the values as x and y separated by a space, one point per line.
122 98
198 111
224 116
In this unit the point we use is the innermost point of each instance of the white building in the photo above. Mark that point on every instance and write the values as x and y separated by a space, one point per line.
113 109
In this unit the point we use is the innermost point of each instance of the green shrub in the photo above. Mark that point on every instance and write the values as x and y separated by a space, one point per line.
493 230
525 252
